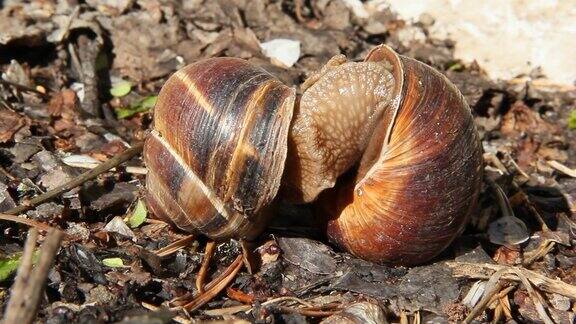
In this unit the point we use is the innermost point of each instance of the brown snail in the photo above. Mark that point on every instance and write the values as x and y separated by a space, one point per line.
229 138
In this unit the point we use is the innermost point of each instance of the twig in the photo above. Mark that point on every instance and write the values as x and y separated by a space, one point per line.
29 287
228 310
17 300
86 176
177 319
26 221
71 19
24 88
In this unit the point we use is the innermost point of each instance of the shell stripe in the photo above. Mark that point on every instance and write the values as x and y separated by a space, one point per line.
216 202
245 149
190 87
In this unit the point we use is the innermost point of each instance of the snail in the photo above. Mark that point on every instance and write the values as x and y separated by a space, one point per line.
386 148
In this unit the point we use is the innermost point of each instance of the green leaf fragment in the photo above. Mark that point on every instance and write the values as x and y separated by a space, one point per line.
138 215
149 102
9 265
121 88
572 120
139 106
113 262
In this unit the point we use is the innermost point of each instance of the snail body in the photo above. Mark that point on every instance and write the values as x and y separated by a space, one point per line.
228 138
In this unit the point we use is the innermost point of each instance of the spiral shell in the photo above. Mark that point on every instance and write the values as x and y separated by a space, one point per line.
419 177
218 149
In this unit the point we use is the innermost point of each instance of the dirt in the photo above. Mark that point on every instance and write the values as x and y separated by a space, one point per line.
60 61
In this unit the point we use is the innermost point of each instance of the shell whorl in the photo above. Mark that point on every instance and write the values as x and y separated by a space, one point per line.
219 146
409 203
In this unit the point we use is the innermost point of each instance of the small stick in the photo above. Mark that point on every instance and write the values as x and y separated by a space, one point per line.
86 176
201 277
228 310
174 246
7 174
536 299
28 288
26 221
239 295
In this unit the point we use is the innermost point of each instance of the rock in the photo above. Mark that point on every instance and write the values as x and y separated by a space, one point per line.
117 225
101 295
6 201
429 287
308 254
119 197
22 152
46 211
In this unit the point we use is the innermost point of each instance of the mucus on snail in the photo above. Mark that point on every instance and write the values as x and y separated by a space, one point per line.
230 139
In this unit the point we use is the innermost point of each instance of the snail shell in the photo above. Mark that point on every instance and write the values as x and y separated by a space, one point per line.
218 149
419 175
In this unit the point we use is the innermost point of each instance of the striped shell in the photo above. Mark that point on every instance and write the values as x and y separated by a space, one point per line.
419 177
218 149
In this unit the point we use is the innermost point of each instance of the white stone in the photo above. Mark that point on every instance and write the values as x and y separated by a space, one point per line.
281 50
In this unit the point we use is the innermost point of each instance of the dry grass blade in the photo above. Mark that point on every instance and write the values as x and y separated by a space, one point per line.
544 248
227 310
534 296
486 270
287 298
174 246
305 312
217 287
212 288
492 288
201 277
562 168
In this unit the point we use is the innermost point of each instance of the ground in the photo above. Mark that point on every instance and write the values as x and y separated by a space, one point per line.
79 82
